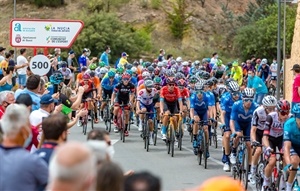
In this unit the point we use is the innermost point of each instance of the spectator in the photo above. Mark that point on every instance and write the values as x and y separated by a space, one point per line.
22 63
205 63
258 85
161 55
142 181
273 69
264 71
6 98
104 56
19 170
13 63
100 150
2 52
110 177
70 61
296 85
28 71
55 132
214 59
4 64
221 183
6 83
32 88
248 66
72 167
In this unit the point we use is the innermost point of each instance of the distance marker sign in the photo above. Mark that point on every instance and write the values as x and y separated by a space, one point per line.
40 65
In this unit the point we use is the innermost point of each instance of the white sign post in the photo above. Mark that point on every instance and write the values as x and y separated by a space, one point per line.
40 65
44 33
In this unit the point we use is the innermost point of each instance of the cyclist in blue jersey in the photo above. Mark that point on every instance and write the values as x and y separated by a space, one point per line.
106 87
198 111
240 121
227 100
291 146
210 96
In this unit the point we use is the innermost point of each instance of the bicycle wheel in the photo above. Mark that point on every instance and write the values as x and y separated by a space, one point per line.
172 139
280 184
215 136
168 140
144 133
180 135
235 173
147 136
155 132
204 143
200 150
123 127
105 117
260 175
92 118
108 119
84 125
244 168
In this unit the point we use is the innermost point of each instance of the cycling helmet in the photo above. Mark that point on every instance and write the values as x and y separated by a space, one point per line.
214 80
144 70
111 74
193 79
156 71
170 73
92 74
171 80
181 82
120 70
205 75
145 74
129 72
93 66
228 80
284 105
128 66
86 76
204 60
165 63
233 86
134 69
174 68
147 64
179 76
248 93
101 64
150 69
229 64
126 75
200 85
197 63
135 63
56 78
148 83
160 64
157 80
185 63
263 61
103 70
295 109
63 64
208 83
269 101
178 59
235 63
219 62
172 62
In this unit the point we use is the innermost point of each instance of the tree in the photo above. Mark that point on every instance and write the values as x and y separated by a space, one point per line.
102 29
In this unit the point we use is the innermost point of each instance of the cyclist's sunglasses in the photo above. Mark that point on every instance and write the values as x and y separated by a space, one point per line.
171 84
248 100
199 92
235 93
125 79
284 112
111 77
181 87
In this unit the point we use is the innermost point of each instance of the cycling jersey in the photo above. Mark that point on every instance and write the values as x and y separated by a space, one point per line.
185 94
96 81
90 85
123 91
227 102
193 70
273 127
146 98
199 105
219 70
238 112
237 74
185 70
210 97
140 82
66 73
291 132
191 90
259 117
107 84
166 95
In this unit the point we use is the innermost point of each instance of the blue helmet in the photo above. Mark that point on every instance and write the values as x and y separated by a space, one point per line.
111 74
56 78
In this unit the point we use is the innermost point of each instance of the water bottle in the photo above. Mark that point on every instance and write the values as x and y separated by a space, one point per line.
241 156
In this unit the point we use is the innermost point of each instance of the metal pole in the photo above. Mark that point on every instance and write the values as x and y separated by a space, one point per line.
15 49
284 45
278 52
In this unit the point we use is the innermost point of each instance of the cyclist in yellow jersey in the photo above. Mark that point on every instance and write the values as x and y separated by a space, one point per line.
123 59
237 72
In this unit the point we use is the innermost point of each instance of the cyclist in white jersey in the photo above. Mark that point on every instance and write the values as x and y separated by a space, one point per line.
145 104
258 124
273 138
273 68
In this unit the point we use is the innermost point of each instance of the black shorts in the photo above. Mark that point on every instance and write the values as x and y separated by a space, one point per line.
87 95
259 135
273 77
66 81
276 142
106 93
119 101
171 106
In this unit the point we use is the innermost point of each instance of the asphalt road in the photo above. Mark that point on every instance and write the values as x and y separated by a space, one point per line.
176 173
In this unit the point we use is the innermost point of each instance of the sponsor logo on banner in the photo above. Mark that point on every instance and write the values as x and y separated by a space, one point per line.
18 38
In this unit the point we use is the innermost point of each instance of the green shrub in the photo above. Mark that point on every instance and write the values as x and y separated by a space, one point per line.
49 3
155 4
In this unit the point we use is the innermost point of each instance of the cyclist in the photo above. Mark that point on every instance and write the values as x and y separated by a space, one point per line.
191 85
273 137
237 72
89 89
212 101
218 69
145 104
227 100
169 95
258 124
198 111
291 145
66 72
123 94
240 121
185 94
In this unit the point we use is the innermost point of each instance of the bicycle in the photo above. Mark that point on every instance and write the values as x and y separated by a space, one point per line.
146 131
155 123
84 119
213 135
170 141
202 144
107 115
121 121
241 168
272 90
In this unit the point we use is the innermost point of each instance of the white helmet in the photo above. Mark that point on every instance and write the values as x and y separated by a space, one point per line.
165 63
178 59
145 74
160 64
134 69
264 61
248 93
185 63
103 70
233 86
200 84
269 101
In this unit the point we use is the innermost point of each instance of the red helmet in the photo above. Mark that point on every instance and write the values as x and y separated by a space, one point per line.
181 82
156 71
283 105
86 76
126 75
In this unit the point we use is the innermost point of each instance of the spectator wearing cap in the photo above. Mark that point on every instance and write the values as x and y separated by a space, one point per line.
296 85
123 59
104 55
6 98
32 88
2 53
70 61
264 71
22 63
19 169
26 100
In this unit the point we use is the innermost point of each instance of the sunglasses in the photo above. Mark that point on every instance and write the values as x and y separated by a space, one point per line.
235 94
248 100
125 79
284 112
171 85
111 77
181 87
199 92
